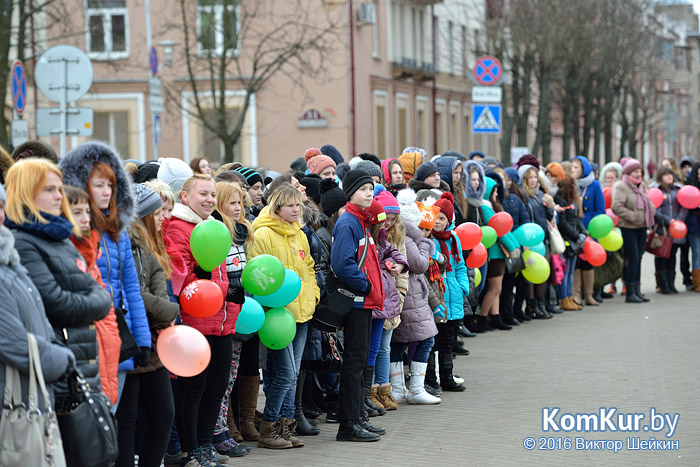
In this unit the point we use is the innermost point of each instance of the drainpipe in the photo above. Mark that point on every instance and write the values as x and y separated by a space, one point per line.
36 93
351 24
434 49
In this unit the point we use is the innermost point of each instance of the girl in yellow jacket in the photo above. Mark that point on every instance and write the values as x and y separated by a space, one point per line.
278 233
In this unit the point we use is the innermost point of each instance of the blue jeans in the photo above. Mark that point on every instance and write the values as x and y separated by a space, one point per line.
374 340
566 288
381 369
421 354
694 241
283 370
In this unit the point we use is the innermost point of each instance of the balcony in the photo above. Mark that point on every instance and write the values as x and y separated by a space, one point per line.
412 68
426 2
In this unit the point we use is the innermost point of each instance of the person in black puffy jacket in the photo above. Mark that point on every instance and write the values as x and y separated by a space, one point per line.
42 227
572 230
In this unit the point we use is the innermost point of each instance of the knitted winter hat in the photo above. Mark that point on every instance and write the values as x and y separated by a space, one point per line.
341 170
489 161
377 211
630 166
298 165
147 200
476 153
251 176
410 162
146 172
318 164
354 180
512 174
35 148
456 154
423 153
428 215
311 152
409 210
331 151
446 203
312 182
368 167
528 159
425 170
365 156
172 168
557 170
332 197
391 205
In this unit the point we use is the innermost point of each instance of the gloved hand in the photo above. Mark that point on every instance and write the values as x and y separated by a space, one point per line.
201 273
437 256
70 368
143 357
439 312
235 294
581 239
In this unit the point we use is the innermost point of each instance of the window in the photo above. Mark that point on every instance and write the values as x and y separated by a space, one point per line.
451 47
463 55
422 122
380 126
210 146
440 125
113 127
421 38
454 133
218 26
402 122
466 131
375 34
436 48
107 29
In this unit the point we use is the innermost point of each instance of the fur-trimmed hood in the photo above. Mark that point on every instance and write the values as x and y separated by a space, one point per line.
610 165
471 193
76 166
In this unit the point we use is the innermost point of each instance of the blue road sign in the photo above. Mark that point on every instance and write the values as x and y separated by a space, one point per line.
487 70
487 119
19 86
153 60
156 129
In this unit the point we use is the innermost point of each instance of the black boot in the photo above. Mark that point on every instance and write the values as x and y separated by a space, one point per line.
631 293
469 323
663 282
481 324
364 423
518 312
304 428
538 310
351 430
464 332
372 410
672 281
447 381
497 323
598 295
639 293
431 383
311 408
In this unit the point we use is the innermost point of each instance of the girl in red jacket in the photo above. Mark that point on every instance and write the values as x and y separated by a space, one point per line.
199 397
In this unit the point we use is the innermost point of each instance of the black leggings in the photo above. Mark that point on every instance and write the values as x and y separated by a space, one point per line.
145 415
199 398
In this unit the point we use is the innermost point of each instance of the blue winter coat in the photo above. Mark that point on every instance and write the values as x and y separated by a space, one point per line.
513 205
456 281
127 290
592 198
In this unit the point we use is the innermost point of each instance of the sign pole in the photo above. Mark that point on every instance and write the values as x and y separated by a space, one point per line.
62 105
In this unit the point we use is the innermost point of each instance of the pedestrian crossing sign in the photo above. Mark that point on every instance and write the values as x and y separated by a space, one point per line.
487 119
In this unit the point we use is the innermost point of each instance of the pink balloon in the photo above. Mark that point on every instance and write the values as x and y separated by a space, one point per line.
615 218
689 197
183 350
656 196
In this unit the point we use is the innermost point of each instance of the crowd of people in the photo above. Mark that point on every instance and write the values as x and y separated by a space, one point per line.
90 240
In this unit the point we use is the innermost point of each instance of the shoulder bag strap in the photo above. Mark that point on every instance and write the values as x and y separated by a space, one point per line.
13 390
363 257
35 358
121 293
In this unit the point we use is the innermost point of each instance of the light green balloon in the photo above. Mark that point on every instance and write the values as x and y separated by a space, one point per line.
611 242
536 267
489 236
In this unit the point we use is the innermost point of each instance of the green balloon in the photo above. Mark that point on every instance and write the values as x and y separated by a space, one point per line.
210 243
263 275
488 236
611 242
279 328
600 226
477 277
536 267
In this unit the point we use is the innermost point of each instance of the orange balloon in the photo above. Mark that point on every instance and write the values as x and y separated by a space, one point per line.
478 256
469 235
678 229
201 298
183 350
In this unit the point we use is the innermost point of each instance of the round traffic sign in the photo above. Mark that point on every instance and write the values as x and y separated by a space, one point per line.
153 60
53 79
19 86
487 70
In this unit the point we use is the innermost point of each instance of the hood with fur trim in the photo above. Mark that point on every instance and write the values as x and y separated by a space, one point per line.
76 166
610 165
471 193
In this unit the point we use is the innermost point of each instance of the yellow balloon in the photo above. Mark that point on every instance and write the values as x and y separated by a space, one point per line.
611 242
477 277
536 267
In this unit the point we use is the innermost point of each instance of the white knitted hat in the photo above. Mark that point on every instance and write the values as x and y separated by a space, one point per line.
407 202
172 168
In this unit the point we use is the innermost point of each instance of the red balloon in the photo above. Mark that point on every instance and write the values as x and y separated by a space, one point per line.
501 222
469 235
201 298
689 197
477 257
656 196
678 229
183 350
595 253
607 193
613 216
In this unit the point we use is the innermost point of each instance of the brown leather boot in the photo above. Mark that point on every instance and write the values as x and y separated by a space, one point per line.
578 287
374 396
247 402
385 397
270 437
286 427
588 283
695 274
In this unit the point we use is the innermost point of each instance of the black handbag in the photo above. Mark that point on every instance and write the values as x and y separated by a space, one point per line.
129 346
88 428
514 262
331 359
336 303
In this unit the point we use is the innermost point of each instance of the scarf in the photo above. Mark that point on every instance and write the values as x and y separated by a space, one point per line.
442 237
57 229
362 215
434 275
583 182
643 201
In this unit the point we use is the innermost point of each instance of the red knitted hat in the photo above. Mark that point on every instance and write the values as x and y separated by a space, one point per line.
377 211
446 203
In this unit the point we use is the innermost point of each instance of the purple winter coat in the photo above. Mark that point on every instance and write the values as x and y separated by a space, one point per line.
417 322
392 299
